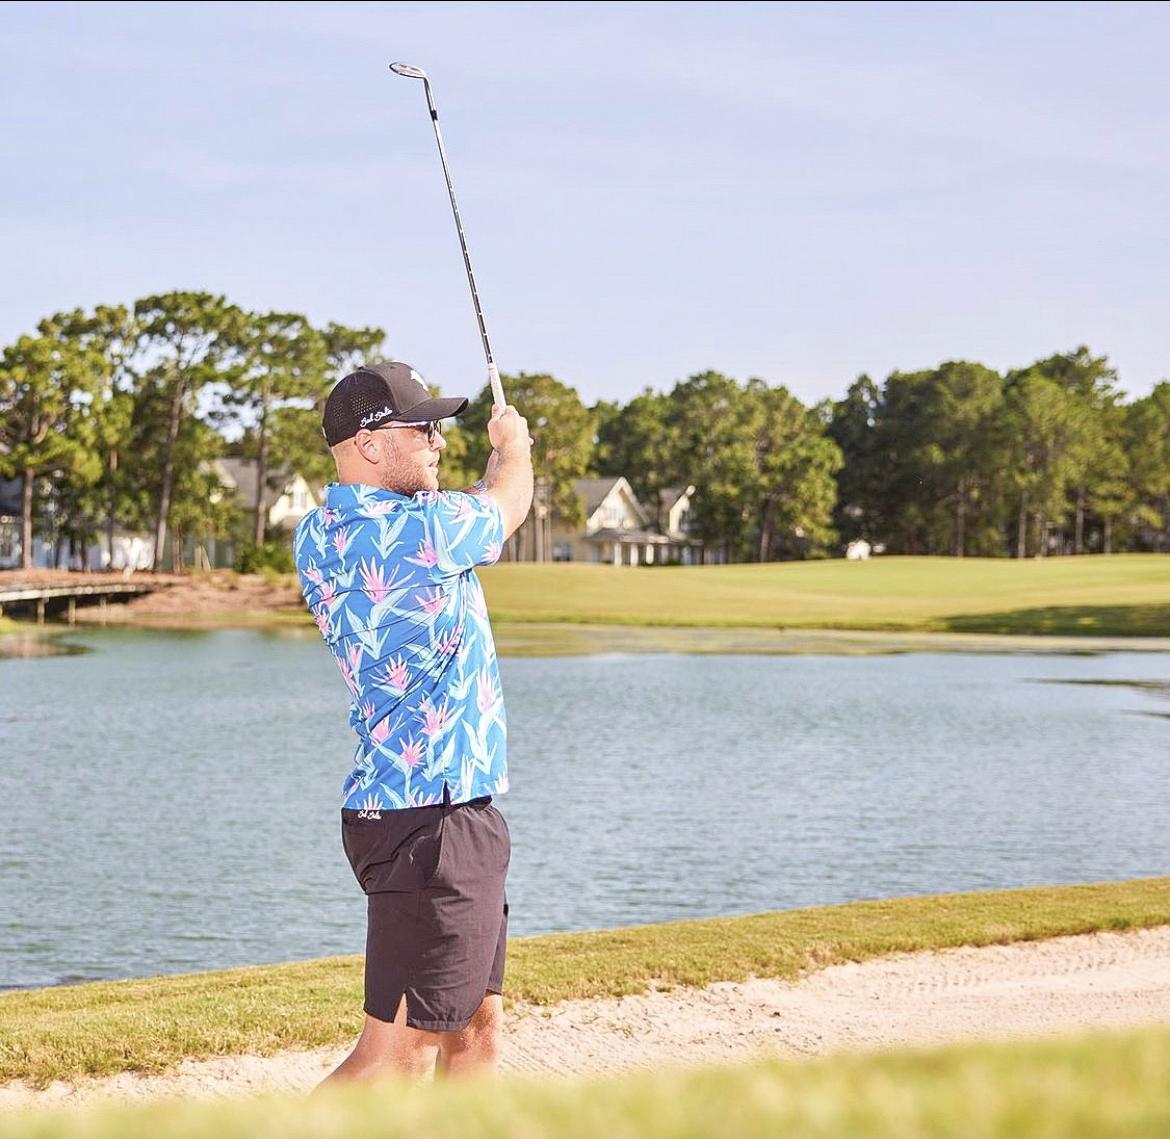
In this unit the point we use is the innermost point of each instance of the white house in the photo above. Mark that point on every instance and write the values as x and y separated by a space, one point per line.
619 530
286 496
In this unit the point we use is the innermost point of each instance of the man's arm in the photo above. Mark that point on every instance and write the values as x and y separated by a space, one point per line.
508 478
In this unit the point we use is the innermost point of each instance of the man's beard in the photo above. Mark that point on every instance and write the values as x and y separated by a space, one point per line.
404 478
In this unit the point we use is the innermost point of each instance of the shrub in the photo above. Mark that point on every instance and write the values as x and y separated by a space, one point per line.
273 556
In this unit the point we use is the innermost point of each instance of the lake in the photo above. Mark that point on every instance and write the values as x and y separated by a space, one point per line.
169 802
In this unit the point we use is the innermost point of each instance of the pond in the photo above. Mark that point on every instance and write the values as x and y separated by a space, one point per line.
169 802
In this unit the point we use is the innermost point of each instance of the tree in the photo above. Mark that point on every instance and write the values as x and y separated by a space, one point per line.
852 425
187 341
295 426
716 447
1091 383
641 442
796 464
281 358
1147 445
936 456
1044 422
562 429
48 383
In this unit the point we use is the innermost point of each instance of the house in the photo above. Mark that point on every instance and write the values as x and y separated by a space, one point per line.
285 499
286 496
619 530
9 523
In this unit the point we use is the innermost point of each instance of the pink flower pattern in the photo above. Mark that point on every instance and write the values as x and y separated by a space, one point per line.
485 691
375 583
412 752
432 602
411 639
435 720
426 555
397 675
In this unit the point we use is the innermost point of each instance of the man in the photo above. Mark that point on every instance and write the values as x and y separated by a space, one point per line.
387 567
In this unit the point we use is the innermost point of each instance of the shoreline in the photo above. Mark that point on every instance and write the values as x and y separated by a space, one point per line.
1019 991
551 639
154 1025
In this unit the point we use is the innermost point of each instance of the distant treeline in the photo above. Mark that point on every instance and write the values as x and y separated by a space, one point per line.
109 419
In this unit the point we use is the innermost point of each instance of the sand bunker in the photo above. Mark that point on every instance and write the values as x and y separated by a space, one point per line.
1027 989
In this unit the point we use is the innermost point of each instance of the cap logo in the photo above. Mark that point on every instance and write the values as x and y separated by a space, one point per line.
376 416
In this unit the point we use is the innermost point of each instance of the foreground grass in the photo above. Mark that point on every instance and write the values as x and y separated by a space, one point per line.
1125 595
1095 1086
153 1024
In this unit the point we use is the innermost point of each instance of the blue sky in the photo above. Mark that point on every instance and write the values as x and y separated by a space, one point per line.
798 192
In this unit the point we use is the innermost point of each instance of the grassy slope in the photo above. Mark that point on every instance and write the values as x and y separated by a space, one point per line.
153 1024
1122 595
1094 1086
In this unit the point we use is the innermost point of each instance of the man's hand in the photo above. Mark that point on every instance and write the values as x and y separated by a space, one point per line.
508 478
508 430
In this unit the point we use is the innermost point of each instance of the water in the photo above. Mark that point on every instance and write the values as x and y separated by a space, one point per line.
169 801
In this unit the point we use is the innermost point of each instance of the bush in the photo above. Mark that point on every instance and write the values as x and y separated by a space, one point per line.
273 556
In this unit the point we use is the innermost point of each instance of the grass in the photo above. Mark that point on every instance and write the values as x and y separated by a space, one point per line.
1092 1086
151 1025
1125 595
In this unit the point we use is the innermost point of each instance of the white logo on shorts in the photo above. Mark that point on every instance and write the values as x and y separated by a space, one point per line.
369 814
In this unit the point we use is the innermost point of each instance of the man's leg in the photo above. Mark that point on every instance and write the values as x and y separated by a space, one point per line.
385 1049
475 1049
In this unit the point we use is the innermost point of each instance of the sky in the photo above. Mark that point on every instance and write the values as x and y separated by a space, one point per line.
798 192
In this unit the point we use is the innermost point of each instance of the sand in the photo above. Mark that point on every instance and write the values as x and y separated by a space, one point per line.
1026 989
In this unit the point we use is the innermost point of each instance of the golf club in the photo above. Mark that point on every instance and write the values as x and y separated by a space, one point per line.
410 72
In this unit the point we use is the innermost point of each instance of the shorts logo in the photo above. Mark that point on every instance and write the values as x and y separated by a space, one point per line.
376 416
369 814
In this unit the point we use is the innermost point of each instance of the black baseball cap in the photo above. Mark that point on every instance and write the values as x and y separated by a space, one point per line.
378 394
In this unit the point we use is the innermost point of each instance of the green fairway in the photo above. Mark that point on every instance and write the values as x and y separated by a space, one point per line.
153 1024
1123 595
1091 1086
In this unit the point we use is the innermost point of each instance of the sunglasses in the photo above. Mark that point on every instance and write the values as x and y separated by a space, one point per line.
432 429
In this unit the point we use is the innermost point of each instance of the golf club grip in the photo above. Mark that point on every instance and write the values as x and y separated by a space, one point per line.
497 387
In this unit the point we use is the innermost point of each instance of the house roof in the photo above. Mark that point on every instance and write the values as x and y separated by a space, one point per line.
594 491
669 495
240 475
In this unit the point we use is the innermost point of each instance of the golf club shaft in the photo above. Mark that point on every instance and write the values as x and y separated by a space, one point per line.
493 371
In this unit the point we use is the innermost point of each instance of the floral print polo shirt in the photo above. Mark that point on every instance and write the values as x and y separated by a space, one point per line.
390 580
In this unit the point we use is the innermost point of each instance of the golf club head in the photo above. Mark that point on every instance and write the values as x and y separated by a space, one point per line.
408 70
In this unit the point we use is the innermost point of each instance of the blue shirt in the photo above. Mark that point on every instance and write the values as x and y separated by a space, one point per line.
389 579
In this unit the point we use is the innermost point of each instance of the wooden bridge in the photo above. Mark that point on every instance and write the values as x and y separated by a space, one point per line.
41 596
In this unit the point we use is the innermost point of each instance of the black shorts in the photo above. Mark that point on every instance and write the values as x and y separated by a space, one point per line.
437 913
